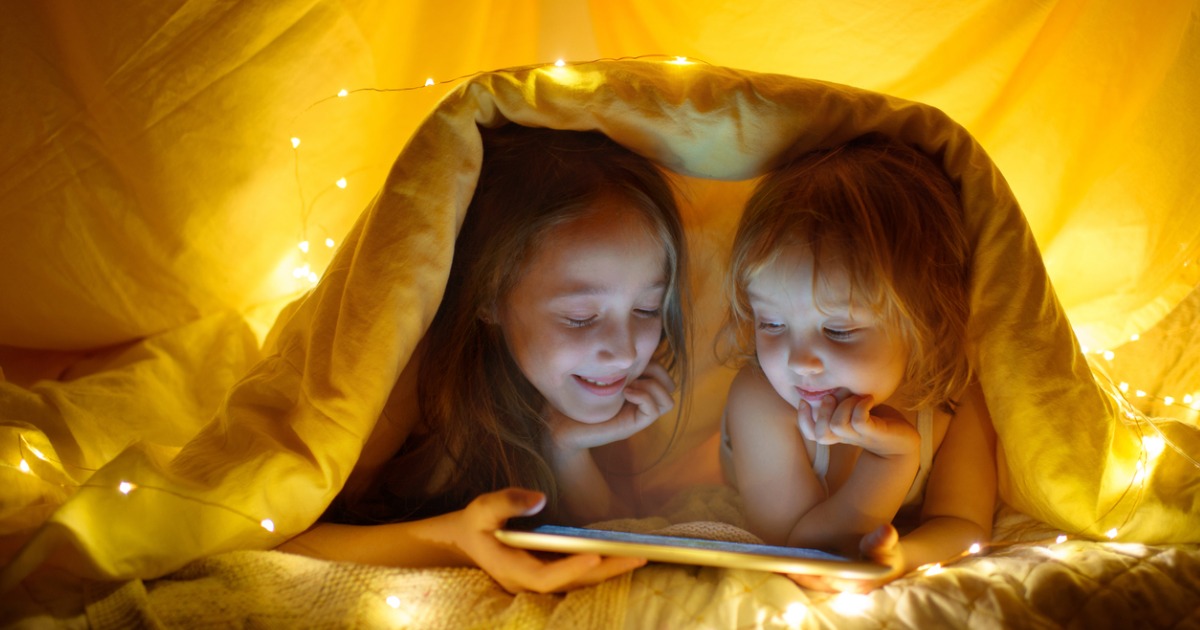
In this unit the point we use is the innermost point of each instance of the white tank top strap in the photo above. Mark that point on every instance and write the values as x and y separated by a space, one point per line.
820 464
916 493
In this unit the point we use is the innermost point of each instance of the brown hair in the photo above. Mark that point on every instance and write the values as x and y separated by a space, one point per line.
477 407
892 217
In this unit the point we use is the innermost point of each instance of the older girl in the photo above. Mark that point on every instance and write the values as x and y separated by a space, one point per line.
557 337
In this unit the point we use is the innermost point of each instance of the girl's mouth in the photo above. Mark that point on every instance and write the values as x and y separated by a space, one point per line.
607 386
814 396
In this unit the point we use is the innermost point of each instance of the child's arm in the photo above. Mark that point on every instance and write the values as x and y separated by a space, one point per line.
959 502
960 498
582 488
461 538
784 501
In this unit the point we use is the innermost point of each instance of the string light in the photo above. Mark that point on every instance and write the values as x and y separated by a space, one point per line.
934 569
850 603
343 93
267 524
125 487
795 614
304 246
341 183
24 467
393 601
329 243
429 82
1111 534
560 63
1062 538
975 548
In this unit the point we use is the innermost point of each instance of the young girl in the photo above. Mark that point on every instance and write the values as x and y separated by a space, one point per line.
559 331
848 289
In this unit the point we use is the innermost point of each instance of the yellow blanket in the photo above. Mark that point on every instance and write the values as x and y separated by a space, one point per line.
292 427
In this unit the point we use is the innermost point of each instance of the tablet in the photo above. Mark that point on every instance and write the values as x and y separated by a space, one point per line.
697 551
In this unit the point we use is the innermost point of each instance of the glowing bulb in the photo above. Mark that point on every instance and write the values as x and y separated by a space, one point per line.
328 242
560 63
1134 337
935 569
341 183
1112 533
429 82
679 61
313 277
295 142
1139 393
342 93
1169 400
268 524
24 466
304 246
850 603
1124 387
1062 538
795 614
36 453
393 601
125 487
1139 474
1154 445
1084 349
975 548
1187 399
1108 355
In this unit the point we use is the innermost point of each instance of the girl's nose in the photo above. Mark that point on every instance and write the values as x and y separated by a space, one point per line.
617 344
802 360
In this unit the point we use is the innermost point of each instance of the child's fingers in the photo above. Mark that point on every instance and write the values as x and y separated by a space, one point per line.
822 417
804 421
659 374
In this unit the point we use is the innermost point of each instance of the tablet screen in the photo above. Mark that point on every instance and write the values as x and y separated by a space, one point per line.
695 551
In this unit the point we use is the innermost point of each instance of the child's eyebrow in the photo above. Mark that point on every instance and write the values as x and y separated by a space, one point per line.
585 290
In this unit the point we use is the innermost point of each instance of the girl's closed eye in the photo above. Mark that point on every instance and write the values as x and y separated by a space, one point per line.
648 313
580 322
770 326
842 334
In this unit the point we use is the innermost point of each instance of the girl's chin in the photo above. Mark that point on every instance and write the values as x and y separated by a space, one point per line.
592 415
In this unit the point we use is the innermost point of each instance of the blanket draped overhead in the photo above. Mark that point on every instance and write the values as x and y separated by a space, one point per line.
292 427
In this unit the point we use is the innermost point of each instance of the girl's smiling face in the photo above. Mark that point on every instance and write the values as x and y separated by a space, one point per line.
585 317
812 339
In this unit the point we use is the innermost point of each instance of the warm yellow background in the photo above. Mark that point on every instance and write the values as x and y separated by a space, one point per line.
149 189
148 177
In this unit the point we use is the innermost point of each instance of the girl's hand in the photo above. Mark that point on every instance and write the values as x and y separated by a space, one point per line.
646 400
517 570
851 422
882 546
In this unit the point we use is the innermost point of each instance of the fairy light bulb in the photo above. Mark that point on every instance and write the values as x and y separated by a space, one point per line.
341 183
795 614
343 93
393 601
1154 445
560 63
295 142
1112 533
24 467
1169 400
1134 337
36 453
313 277
429 82
1062 538
850 603
304 246
125 487
1108 355
1124 387
329 243
1139 393
975 548
268 524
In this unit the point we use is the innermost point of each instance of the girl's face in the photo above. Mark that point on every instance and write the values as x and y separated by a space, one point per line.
839 349
586 316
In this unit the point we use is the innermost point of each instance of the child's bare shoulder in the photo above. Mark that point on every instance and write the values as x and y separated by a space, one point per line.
752 399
